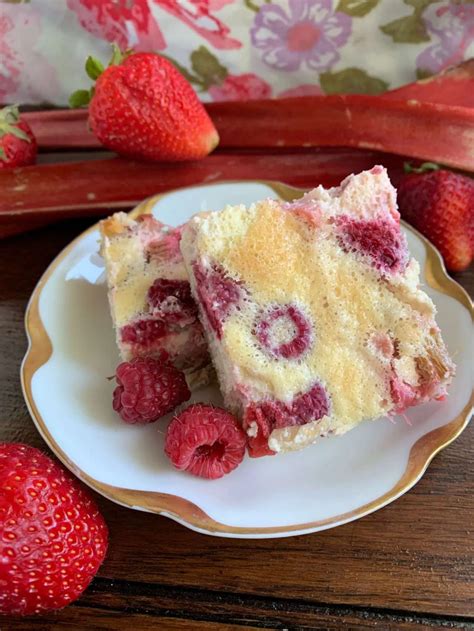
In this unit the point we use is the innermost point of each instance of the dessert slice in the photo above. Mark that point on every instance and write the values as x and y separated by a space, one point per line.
313 312
149 295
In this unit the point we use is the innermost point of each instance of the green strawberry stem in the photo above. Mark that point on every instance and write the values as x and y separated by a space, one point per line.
423 168
118 56
94 68
9 118
80 98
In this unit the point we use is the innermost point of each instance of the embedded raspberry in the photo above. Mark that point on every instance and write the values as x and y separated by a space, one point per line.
205 441
284 332
143 333
218 293
149 222
166 247
260 419
308 406
380 240
171 300
147 390
403 395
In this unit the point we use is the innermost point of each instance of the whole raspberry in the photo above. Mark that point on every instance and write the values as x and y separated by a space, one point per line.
260 419
53 536
171 300
217 293
147 390
284 332
381 241
205 441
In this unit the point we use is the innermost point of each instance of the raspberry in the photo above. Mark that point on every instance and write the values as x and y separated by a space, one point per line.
262 418
147 390
280 324
218 293
205 441
380 240
171 300
166 247
143 333
403 395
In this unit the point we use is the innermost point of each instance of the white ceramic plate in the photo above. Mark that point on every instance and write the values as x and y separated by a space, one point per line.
72 351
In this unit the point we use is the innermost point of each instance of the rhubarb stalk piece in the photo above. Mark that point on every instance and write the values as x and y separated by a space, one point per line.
454 86
38 195
427 131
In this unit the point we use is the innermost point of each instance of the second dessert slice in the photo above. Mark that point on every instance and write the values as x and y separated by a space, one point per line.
149 294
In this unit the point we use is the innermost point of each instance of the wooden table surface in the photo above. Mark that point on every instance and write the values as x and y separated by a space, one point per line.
407 566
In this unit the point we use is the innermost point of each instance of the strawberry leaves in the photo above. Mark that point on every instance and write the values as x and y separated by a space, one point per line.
94 68
80 98
9 118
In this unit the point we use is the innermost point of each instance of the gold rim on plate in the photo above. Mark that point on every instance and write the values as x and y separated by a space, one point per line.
423 451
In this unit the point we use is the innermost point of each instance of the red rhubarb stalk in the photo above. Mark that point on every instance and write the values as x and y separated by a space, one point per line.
45 193
454 86
439 133
62 129
428 131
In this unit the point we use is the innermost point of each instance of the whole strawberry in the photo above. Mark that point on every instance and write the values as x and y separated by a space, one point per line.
53 536
17 143
440 204
142 107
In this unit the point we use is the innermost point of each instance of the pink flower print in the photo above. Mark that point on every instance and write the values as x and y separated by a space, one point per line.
26 76
241 88
453 26
309 33
200 18
215 5
301 90
129 24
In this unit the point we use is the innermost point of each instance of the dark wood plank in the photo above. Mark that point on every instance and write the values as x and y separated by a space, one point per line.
108 602
81 618
414 557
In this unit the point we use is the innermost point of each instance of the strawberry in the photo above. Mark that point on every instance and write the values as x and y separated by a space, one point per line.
206 441
18 146
440 204
142 107
53 536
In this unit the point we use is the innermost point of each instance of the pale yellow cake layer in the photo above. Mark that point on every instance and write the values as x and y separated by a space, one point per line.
129 274
345 299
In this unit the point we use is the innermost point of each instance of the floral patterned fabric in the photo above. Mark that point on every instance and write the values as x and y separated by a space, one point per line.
235 49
